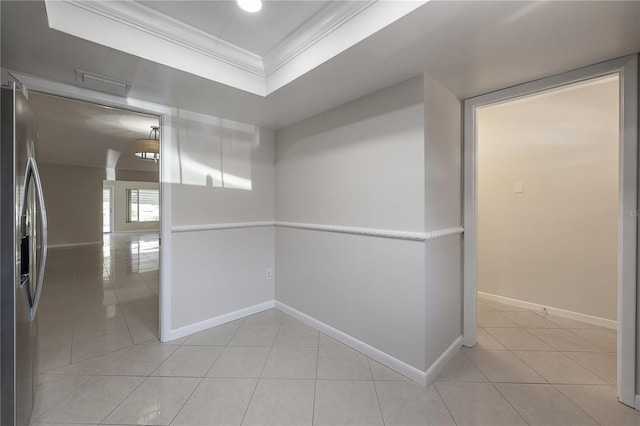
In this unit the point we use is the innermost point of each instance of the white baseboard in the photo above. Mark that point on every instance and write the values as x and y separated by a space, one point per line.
442 360
383 358
638 402
395 364
603 322
70 245
222 319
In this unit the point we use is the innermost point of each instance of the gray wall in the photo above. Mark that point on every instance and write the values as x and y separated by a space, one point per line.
358 165
443 209
222 172
73 197
137 175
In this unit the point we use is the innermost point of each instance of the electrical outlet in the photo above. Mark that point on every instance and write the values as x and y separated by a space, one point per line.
269 274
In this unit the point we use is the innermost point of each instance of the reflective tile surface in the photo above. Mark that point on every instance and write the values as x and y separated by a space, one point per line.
536 369
102 364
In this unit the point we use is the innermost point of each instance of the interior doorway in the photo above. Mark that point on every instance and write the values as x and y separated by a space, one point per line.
104 271
547 193
620 218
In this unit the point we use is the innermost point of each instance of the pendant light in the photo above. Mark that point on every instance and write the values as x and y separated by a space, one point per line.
149 149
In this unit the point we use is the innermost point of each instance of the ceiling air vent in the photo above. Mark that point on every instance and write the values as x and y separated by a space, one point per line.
103 84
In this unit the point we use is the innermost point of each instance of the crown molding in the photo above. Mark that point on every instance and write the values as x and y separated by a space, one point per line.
329 18
134 28
157 24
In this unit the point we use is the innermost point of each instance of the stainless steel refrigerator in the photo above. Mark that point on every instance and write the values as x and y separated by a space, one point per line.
23 252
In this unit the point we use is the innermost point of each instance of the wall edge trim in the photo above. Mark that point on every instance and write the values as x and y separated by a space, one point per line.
382 357
350 230
69 245
369 232
603 322
219 226
637 407
444 232
215 321
438 365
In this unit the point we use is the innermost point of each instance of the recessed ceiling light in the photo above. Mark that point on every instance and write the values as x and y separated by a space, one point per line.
250 5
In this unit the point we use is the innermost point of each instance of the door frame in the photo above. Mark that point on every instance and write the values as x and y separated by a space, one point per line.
627 69
168 136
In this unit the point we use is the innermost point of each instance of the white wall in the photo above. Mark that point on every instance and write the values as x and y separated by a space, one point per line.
120 206
443 209
358 165
554 244
222 172
73 197
137 175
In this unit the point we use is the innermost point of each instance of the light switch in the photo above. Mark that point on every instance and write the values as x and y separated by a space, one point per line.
518 187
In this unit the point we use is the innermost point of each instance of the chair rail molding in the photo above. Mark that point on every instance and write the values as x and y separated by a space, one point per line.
219 226
350 230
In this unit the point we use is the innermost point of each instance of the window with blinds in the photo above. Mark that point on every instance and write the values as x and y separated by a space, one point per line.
144 205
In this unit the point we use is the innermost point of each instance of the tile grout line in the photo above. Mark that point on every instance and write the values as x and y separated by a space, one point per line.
315 383
261 373
474 364
42 415
505 398
553 385
186 400
375 389
97 374
123 399
509 402
73 330
494 384
587 368
124 318
192 392
444 402
547 380
576 405
556 348
571 330
204 377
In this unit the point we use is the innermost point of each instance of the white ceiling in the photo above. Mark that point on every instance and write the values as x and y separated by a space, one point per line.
295 42
469 47
255 32
84 134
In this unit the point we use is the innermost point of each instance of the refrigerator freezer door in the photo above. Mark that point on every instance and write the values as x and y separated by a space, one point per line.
18 350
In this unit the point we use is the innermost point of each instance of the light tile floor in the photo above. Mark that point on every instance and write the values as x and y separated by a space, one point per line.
271 369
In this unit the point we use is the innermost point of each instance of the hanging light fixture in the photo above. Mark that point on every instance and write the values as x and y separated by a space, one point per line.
149 149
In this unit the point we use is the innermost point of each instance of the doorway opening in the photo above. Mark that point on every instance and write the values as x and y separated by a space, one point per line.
550 223
104 269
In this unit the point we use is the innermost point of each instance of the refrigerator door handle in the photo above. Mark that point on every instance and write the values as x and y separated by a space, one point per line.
31 172
43 236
